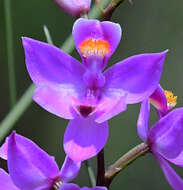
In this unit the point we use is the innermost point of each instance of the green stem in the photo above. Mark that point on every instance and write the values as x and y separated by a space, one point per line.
124 161
90 174
10 52
47 34
16 112
25 101
108 12
98 3
95 12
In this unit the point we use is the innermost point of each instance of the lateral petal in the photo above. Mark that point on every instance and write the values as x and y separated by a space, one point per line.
4 149
172 177
138 76
6 182
58 101
143 120
110 105
69 170
159 101
48 65
94 188
29 166
177 160
70 186
166 136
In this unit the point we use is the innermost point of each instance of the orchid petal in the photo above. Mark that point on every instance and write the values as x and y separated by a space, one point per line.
57 101
159 101
29 166
74 7
173 179
143 120
84 138
111 104
94 188
138 76
69 186
6 182
85 29
166 136
48 65
177 160
4 150
69 170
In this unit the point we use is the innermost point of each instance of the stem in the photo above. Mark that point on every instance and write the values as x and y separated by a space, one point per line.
8 122
98 2
100 168
111 8
95 13
16 112
90 174
47 34
10 52
124 161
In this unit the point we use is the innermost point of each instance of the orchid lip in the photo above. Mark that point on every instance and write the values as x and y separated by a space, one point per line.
85 110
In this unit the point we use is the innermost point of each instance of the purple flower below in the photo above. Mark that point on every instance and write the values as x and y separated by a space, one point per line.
165 140
74 7
30 168
83 92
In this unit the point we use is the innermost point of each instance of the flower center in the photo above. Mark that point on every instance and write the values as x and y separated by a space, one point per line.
171 99
94 47
57 184
85 110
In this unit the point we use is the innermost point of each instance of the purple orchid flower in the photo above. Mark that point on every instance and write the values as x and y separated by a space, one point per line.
74 7
30 168
165 140
163 101
84 93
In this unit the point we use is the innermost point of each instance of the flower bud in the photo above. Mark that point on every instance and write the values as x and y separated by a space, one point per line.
74 7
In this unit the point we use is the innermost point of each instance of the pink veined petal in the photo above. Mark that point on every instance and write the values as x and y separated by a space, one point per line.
138 76
173 179
48 65
74 7
69 186
84 138
4 150
69 170
159 101
166 136
29 166
56 101
85 29
111 104
143 120
6 182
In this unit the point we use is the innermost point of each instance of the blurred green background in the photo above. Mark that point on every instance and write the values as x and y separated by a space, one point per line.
148 26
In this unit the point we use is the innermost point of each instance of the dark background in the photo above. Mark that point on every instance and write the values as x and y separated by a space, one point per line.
148 26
